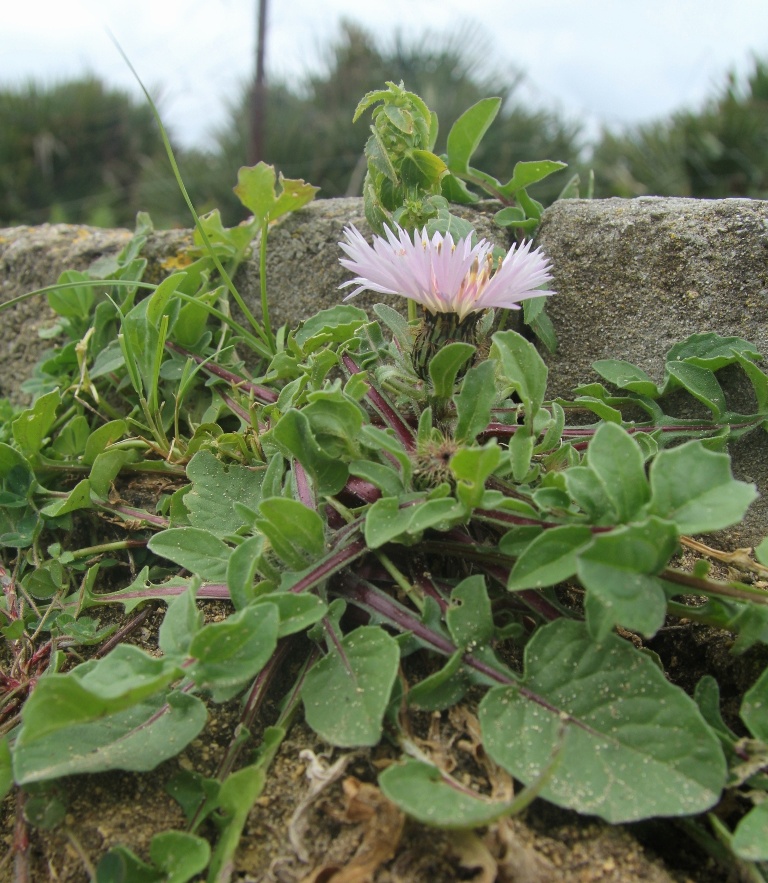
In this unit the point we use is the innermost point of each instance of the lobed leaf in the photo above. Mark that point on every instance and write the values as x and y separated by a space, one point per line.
215 489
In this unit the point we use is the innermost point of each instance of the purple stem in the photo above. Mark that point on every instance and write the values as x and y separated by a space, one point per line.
265 395
303 487
502 429
330 565
387 413
238 409
123 632
139 514
208 591
531 597
362 490
366 596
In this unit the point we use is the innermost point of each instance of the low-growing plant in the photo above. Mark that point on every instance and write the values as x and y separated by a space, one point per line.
391 507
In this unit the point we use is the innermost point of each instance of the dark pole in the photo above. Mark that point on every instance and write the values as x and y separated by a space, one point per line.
259 92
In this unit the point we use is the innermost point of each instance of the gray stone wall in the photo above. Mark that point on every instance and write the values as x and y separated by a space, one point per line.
632 278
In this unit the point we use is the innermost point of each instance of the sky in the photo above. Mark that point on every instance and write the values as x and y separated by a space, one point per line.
604 62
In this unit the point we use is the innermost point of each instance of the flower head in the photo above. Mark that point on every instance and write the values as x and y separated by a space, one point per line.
442 275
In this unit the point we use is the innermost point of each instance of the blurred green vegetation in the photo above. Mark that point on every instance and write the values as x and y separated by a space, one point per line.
82 152
718 151
73 152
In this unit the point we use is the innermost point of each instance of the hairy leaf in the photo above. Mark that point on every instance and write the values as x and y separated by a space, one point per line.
346 693
633 745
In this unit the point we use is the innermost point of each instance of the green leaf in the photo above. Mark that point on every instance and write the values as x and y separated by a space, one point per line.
618 570
386 521
347 692
256 190
297 612
383 477
245 562
700 383
694 487
472 467
293 433
192 792
333 325
474 402
100 439
78 498
71 438
445 365
120 865
588 492
73 303
468 616
711 351
442 689
6 770
199 551
627 376
550 558
521 447
336 422
422 169
759 382
124 676
181 622
136 738
142 336
44 808
598 406
215 490
749 839
523 368
633 745
509 216
437 799
447 222
754 708
467 133
229 653
106 467
296 532
32 426
615 458
532 207
707 696
295 194
236 798
179 855
526 173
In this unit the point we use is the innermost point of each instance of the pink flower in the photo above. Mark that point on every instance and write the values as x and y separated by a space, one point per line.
444 276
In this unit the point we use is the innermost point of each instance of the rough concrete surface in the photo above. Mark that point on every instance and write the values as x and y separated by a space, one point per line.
635 276
34 257
632 278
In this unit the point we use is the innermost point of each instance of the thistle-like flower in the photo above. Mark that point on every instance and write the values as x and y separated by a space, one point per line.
442 275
